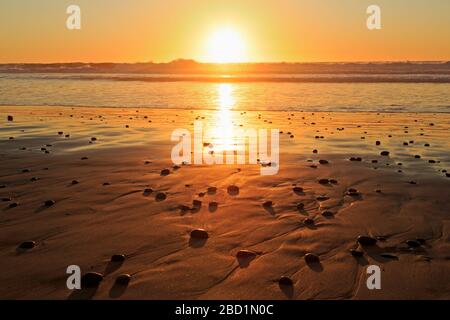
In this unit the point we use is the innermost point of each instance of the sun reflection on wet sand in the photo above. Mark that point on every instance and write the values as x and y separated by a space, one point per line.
221 130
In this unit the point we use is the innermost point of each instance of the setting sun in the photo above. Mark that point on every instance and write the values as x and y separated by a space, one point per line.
226 45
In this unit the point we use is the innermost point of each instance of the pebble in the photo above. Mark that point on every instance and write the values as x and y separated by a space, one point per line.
308 221
322 198
300 206
212 206
366 241
324 181
421 241
165 172
413 243
212 190
75 182
268 204
243 254
356 253
10 118
389 256
298 189
84 158
6 199
233 190
27 245
118 258
285 281
196 203
311 258
327 214
123 279
49 203
377 143
323 161
199 234
352 192
13 204
355 159
160 196
91 279
384 153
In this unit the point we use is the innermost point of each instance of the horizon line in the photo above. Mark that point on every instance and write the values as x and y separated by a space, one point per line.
235 63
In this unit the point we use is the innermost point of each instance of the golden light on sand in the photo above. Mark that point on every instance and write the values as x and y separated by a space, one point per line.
226 45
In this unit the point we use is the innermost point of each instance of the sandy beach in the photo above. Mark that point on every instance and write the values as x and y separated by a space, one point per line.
85 184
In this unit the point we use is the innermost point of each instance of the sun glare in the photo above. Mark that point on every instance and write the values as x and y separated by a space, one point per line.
225 45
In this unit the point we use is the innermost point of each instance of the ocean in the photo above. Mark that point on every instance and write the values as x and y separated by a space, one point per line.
346 92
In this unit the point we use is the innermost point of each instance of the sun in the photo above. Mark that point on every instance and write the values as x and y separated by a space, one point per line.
225 45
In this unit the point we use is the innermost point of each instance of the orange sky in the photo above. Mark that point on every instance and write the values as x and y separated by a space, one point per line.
276 30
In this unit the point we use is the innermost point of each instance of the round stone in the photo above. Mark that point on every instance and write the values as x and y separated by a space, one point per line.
91 279
199 234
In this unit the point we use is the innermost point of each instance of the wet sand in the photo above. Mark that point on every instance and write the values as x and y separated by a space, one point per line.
87 184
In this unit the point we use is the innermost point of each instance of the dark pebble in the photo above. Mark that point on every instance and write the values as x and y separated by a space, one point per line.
233 190
199 234
165 172
366 241
298 189
212 206
75 182
118 258
268 204
311 258
323 161
160 196
421 241
6 199
389 256
196 203
13 205
91 279
212 190
123 279
10 118
327 214
356 253
243 254
384 153
308 221
413 243
324 181
285 281
27 245
49 203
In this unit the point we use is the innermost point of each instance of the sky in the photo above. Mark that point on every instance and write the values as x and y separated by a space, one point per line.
34 31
